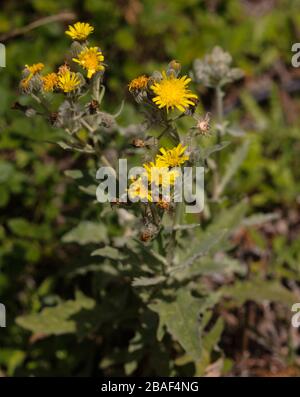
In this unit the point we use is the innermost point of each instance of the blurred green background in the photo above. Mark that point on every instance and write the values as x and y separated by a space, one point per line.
39 204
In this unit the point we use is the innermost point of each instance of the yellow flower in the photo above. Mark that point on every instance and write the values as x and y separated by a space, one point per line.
50 82
32 69
139 83
35 68
79 31
91 60
25 82
160 176
68 81
172 92
171 157
138 190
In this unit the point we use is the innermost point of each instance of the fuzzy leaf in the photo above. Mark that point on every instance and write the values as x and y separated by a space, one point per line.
229 218
203 248
108 252
234 163
181 318
212 149
259 291
259 219
56 320
86 232
145 281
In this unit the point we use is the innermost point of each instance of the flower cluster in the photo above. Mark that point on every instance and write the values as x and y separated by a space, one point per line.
167 90
66 80
158 174
166 97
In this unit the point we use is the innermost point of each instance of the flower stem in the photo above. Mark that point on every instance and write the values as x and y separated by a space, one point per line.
172 241
220 115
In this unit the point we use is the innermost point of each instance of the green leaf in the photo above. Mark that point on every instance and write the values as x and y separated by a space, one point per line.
254 109
74 174
20 227
235 162
89 189
108 252
259 219
86 232
187 226
181 318
222 264
12 359
146 281
6 171
86 180
85 149
212 149
56 320
229 218
209 240
259 291
210 341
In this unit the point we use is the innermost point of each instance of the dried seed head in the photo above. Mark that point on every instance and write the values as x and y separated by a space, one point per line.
163 204
203 125
145 235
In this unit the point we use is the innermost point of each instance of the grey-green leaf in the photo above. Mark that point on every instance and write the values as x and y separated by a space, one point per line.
147 281
259 290
86 232
56 320
235 162
181 318
108 252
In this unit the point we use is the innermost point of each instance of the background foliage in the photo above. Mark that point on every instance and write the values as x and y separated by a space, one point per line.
90 319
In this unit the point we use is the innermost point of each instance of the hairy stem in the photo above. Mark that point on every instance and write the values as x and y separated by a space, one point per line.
172 241
220 115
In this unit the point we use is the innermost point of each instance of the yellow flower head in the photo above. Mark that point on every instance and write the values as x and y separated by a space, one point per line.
138 190
35 68
172 92
90 59
50 82
79 31
30 71
139 83
160 175
68 81
172 157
